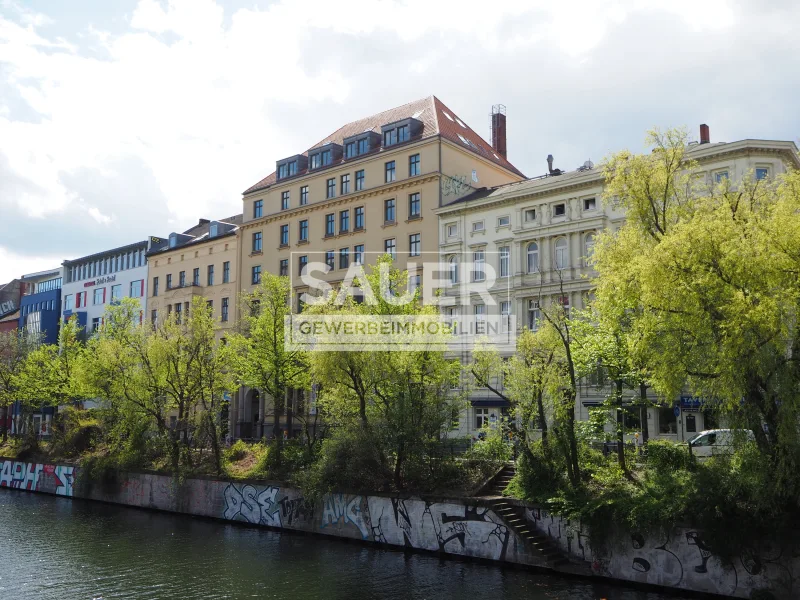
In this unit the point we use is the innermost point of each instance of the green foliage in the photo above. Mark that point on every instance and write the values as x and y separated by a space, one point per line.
75 432
493 445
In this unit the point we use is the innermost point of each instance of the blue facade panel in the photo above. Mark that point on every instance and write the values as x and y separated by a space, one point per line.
42 312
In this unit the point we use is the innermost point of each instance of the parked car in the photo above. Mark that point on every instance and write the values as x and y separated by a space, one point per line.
717 441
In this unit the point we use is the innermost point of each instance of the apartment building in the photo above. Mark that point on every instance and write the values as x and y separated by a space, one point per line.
536 236
40 304
201 261
367 189
92 283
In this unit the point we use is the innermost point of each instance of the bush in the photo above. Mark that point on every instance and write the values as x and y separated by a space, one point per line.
76 431
237 451
493 445
665 455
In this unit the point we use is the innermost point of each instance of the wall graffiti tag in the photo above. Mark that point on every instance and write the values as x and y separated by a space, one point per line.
339 508
246 503
455 186
37 477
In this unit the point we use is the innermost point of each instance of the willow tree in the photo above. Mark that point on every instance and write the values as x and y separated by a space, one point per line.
709 275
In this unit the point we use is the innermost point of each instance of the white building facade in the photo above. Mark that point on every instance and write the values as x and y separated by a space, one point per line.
537 234
92 283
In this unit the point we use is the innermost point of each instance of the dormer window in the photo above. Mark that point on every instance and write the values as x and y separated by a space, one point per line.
288 169
400 131
213 230
316 161
326 158
350 150
173 240
390 137
363 146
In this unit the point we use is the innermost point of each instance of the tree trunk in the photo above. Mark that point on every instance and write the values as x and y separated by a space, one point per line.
4 423
279 400
542 420
645 424
620 428
212 428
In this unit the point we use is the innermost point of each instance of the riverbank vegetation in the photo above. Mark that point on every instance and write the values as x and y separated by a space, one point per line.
698 292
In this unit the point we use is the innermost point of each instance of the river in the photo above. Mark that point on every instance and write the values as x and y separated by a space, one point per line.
60 549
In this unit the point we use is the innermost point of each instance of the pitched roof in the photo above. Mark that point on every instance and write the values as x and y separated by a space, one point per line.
200 233
436 119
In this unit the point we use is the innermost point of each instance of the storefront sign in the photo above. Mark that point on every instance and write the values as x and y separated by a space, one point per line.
101 280
691 404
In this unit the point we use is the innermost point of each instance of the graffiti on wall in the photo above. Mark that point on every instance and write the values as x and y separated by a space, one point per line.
37 477
459 529
680 559
454 187
246 503
342 509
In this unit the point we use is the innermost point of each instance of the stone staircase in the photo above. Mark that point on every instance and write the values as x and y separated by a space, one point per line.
514 518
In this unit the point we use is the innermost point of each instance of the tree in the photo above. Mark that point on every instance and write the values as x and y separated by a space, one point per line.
15 346
262 359
710 279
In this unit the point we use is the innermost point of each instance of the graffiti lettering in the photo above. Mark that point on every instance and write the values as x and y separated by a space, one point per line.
454 186
248 504
294 509
336 507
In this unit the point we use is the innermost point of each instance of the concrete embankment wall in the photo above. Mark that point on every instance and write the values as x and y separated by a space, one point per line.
460 527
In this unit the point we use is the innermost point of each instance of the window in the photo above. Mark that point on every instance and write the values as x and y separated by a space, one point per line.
534 314
302 263
304 230
453 268
196 276
390 137
173 241
477 226
762 173
363 146
69 302
287 169
326 158
588 246
315 161
480 319
359 180
283 270
389 172
285 200
478 265
533 257
330 259
589 203
256 272
413 165
137 288
99 296
345 184
155 286
210 275
330 224
226 272
304 195
154 317
530 215
559 210
358 254
413 245
414 208
562 256
344 221
481 417
182 279
402 133
667 421
388 211
452 230
224 316
720 176
505 315
169 285
116 291
413 283
258 211
691 424
284 235
503 221
359 216
344 258
95 324
350 150
390 247
504 261
331 189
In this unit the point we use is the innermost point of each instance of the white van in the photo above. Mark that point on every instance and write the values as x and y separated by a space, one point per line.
717 441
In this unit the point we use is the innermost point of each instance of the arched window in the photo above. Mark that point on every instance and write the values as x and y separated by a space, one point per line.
562 255
533 257
588 247
453 270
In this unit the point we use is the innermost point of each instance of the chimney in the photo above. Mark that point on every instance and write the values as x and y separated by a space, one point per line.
705 134
203 222
498 121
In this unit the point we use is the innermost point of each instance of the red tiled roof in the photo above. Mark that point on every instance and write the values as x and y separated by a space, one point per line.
436 119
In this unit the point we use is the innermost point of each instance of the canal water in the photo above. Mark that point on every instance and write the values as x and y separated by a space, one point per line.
60 549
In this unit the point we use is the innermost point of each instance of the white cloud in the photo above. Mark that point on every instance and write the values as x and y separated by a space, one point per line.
198 102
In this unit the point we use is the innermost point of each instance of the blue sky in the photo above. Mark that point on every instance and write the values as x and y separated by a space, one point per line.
120 120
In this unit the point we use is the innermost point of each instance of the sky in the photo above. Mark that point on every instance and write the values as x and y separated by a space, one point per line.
129 118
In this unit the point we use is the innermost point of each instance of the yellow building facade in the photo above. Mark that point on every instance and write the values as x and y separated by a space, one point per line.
368 189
